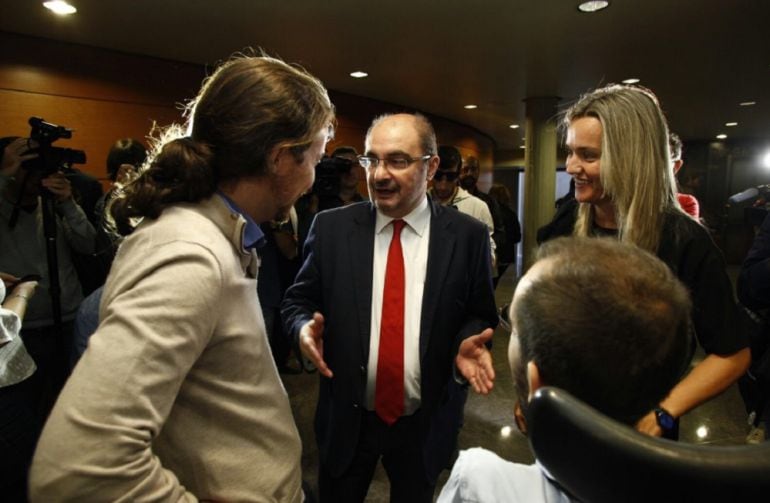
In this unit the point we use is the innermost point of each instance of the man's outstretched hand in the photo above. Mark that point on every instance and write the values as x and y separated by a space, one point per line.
312 345
474 361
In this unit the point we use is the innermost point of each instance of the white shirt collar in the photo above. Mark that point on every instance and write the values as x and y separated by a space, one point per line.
418 219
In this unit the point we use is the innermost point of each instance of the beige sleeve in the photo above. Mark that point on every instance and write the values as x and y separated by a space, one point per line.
158 314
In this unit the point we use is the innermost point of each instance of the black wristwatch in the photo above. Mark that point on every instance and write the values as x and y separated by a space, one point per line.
665 420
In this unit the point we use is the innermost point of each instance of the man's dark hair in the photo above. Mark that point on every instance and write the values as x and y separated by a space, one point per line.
606 321
342 150
675 146
450 158
125 151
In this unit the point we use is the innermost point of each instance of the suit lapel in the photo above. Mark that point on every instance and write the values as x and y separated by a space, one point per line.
440 250
361 246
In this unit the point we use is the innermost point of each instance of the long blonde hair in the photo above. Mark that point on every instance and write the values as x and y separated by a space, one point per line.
635 170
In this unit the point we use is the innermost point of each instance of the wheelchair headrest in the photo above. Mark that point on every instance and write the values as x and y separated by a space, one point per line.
597 459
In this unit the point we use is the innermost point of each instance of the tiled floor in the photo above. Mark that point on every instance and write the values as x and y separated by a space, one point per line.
489 420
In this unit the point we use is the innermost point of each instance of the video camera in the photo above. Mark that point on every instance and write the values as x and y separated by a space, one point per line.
328 175
51 159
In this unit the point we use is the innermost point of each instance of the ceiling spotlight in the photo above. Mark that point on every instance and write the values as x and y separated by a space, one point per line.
523 146
470 107
60 7
747 103
359 74
721 136
514 126
631 81
593 6
731 124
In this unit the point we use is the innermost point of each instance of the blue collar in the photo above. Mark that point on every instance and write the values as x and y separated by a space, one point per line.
253 237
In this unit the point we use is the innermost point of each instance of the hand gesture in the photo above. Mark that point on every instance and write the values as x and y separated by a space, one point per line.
312 345
9 279
474 361
58 185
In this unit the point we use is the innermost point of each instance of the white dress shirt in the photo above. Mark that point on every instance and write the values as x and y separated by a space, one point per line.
414 242
481 476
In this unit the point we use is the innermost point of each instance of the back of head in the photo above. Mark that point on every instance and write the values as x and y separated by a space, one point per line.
500 193
125 151
635 171
606 321
246 108
344 151
675 146
450 158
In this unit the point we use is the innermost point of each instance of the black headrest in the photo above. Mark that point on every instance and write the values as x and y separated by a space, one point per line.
597 459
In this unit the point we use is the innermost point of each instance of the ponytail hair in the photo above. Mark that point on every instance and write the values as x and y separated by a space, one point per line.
180 172
249 106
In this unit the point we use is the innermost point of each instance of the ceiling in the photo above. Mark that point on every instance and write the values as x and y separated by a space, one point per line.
702 57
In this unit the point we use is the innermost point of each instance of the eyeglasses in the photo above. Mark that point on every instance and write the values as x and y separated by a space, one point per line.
396 163
449 176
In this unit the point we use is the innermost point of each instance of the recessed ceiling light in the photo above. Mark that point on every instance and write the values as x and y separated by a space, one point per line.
359 74
631 81
523 146
593 5
514 126
747 103
470 107
721 136
60 7
731 124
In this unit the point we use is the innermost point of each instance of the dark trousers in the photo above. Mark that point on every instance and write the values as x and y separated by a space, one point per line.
400 448
50 349
19 430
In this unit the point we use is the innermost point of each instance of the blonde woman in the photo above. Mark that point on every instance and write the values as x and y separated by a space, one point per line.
617 154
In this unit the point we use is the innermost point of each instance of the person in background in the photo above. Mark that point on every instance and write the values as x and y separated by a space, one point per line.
507 254
18 421
618 155
280 263
620 342
349 179
688 202
447 192
753 289
26 250
177 397
124 159
336 184
469 178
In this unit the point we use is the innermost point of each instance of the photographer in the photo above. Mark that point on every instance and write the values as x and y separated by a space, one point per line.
336 184
24 252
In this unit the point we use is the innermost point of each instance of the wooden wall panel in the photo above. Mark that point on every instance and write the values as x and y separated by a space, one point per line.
96 124
106 95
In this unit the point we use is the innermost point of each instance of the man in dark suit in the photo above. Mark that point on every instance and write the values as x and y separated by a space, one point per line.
347 319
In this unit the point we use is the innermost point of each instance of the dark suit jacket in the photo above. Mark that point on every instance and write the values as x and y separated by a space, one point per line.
336 280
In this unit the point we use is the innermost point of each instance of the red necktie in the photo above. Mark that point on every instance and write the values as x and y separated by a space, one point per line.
389 393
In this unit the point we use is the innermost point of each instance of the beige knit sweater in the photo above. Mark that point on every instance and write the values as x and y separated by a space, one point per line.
177 396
